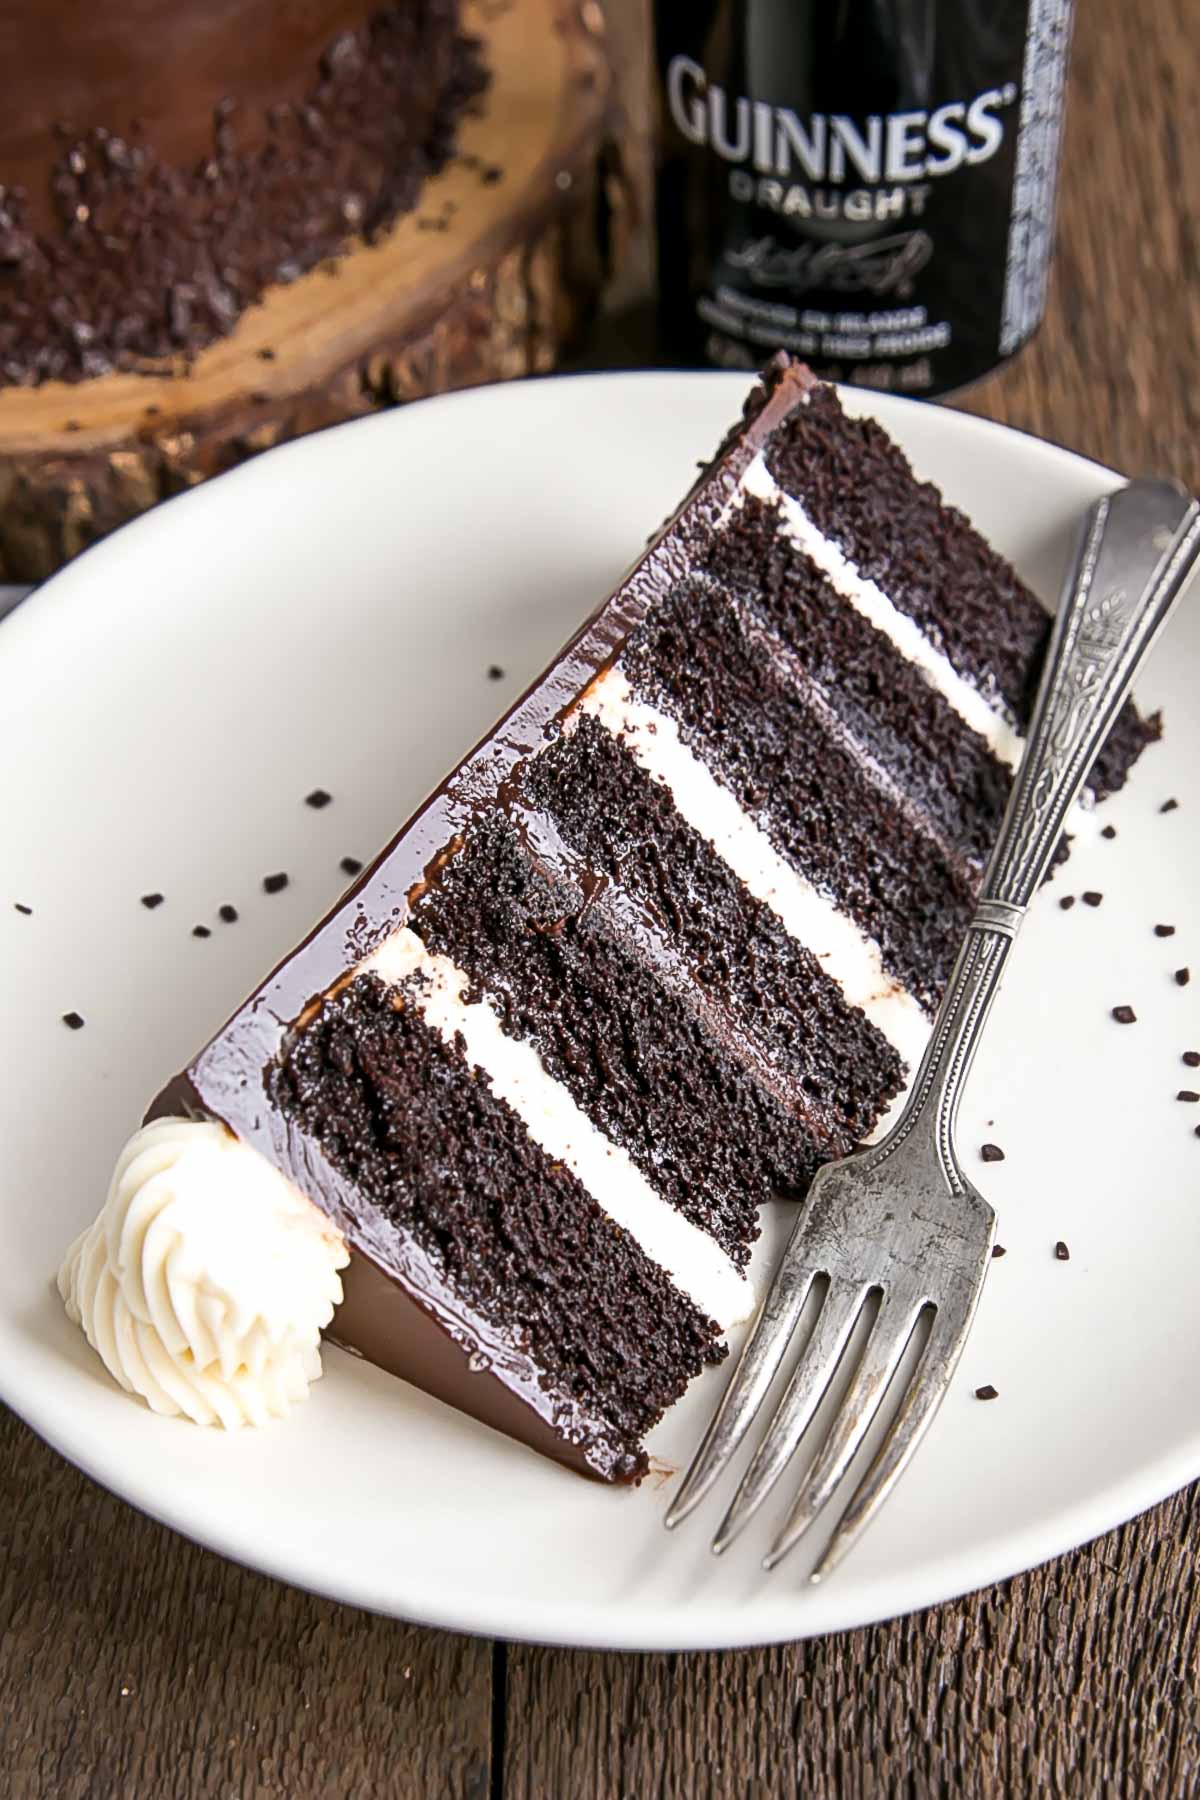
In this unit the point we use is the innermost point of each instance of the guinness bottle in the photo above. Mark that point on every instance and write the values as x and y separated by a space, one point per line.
869 184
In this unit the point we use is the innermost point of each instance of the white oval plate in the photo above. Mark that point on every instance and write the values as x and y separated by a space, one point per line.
327 616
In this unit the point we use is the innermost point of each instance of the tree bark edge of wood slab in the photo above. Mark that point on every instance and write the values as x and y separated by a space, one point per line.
493 276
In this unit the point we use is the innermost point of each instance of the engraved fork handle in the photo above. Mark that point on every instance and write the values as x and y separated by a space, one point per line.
1136 549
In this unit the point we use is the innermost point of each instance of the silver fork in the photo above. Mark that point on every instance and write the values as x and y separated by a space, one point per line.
899 1219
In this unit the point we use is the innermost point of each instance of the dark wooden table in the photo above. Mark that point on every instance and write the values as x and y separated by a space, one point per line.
132 1663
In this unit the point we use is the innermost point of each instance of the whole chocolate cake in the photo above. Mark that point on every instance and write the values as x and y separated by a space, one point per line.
668 939
162 165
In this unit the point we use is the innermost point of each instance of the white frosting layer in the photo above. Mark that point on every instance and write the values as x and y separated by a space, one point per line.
848 954
696 1264
206 1279
870 600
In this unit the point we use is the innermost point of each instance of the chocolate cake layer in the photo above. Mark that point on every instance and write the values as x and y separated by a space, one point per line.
521 1243
882 699
694 659
639 1062
126 239
624 826
858 488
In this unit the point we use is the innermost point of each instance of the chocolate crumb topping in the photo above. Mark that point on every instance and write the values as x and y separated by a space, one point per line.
1061 1252
1067 902
201 931
1092 898
1182 977
987 1392
1164 931
317 799
27 910
275 884
1110 831
1188 1095
227 914
1124 1015
350 865
495 672
999 1250
1192 1058
73 1021
150 901
1168 806
991 1153
143 258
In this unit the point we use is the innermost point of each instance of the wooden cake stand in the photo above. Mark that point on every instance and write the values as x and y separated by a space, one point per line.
489 278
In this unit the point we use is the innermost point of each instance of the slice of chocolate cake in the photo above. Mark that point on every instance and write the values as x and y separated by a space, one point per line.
668 939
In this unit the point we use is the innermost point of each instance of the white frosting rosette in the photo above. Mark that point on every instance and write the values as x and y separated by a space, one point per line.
207 1278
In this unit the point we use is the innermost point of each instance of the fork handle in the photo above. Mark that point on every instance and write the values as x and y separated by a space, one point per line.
1136 549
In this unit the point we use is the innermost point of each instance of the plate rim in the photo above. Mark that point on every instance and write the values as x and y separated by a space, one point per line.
979 1564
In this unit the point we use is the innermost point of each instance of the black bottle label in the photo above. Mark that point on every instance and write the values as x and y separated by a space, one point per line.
869 185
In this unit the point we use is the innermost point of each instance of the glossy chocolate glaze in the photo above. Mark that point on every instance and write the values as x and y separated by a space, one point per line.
398 1311
150 71
378 1319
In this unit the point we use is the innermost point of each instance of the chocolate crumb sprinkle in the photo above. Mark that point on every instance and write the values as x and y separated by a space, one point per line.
1168 805
495 672
999 1250
201 931
1061 1251
350 865
274 884
1192 1058
987 1392
1067 902
149 258
317 799
1110 832
1188 1095
991 1153
73 1021
227 914
1164 931
1124 1015
1182 977
27 910
1091 898
150 901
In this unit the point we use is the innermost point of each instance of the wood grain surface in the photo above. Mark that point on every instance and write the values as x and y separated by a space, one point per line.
133 1664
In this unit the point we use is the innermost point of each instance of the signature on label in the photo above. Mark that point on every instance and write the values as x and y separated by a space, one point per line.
883 266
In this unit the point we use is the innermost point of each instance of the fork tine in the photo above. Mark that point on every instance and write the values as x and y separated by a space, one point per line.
748 1385
823 1352
891 1332
924 1395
